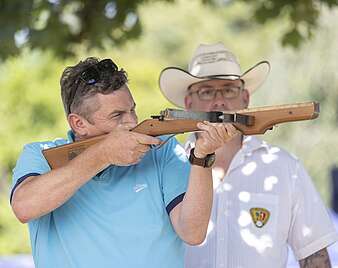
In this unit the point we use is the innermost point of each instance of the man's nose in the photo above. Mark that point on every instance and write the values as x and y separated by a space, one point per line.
130 118
219 101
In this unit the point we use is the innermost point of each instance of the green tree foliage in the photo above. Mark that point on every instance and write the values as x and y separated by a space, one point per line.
62 25
302 14
31 102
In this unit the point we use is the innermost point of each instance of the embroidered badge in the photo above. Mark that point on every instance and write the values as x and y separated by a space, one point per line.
260 216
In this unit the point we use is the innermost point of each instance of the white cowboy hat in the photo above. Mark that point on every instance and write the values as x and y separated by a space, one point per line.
209 62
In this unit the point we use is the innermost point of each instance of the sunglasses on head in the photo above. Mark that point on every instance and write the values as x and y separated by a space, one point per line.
91 76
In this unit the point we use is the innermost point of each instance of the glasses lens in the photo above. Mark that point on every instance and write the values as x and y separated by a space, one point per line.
226 92
206 93
107 65
230 92
90 76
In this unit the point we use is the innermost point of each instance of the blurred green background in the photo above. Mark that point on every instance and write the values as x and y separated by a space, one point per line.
301 46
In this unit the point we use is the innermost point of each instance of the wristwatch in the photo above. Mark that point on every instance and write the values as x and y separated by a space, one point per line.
205 162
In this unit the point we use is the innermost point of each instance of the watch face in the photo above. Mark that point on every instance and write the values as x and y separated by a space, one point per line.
210 160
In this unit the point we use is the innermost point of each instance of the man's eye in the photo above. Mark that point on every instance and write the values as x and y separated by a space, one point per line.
206 91
115 115
231 89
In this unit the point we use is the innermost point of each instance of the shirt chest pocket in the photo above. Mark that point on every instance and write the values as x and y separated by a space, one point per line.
257 219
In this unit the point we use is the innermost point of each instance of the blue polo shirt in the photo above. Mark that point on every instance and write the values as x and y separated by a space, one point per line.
119 218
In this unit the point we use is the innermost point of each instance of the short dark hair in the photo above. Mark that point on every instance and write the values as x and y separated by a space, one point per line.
70 81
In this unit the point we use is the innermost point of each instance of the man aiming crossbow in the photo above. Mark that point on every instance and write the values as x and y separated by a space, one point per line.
119 203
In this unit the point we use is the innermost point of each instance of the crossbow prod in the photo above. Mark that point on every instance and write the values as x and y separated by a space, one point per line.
250 121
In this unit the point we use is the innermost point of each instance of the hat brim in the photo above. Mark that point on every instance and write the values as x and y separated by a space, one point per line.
174 81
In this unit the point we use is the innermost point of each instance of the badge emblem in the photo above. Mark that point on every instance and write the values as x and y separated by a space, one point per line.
260 216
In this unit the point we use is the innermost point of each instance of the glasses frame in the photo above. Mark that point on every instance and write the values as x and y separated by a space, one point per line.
91 76
216 90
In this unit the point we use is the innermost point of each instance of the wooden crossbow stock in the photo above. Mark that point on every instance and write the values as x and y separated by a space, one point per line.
251 121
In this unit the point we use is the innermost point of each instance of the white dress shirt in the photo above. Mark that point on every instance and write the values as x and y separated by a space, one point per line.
264 203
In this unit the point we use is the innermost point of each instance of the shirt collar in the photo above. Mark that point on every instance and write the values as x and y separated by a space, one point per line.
251 144
190 143
70 136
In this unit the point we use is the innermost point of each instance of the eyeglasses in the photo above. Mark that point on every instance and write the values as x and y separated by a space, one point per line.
210 93
91 76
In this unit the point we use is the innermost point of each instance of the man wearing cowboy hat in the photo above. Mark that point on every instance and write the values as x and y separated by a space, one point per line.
264 199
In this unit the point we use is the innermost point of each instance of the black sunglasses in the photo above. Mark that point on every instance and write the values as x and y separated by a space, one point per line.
91 76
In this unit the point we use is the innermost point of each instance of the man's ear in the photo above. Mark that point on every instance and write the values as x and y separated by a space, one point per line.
78 124
187 102
246 98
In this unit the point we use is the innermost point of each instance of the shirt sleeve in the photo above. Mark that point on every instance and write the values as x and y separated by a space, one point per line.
311 228
31 162
175 173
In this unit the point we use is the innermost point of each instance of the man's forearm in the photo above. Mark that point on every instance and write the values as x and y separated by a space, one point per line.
39 195
319 259
194 211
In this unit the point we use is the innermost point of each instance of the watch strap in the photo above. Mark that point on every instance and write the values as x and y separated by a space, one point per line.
203 162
